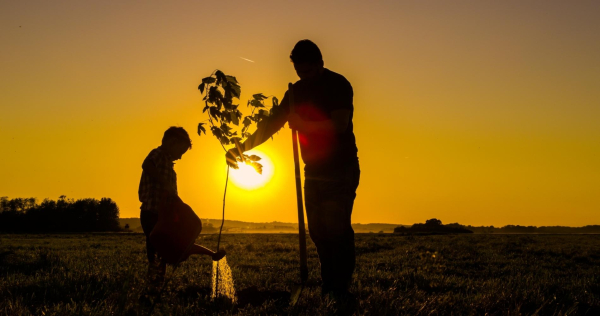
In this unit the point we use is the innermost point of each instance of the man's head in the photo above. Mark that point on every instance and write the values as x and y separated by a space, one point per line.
307 59
176 142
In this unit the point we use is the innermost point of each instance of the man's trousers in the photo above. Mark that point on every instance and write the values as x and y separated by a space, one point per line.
329 198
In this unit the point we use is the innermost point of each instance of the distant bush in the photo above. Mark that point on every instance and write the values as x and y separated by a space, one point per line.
435 226
25 215
400 229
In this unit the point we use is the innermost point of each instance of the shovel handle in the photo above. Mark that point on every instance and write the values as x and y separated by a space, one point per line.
301 229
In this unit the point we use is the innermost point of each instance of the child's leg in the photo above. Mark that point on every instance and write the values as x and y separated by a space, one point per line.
162 269
148 221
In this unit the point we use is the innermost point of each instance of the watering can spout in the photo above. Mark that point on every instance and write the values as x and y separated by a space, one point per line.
220 254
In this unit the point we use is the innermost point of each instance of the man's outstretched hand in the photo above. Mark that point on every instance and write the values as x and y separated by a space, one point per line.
295 122
232 157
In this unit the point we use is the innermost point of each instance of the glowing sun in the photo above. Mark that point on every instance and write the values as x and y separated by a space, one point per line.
247 178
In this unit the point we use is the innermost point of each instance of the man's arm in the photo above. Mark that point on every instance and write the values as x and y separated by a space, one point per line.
264 131
337 124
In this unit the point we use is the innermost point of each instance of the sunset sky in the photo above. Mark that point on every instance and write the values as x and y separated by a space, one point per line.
477 112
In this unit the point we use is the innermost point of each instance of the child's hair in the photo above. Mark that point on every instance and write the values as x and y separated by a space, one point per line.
177 133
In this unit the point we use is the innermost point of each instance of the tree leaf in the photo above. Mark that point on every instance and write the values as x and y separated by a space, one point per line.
256 104
231 79
247 121
212 94
214 112
201 88
224 140
216 132
226 129
253 157
235 119
259 97
228 96
235 89
220 77
257 166
208 80
275 102
201 129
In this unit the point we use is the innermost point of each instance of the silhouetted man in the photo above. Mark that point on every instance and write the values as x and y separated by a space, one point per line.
323 118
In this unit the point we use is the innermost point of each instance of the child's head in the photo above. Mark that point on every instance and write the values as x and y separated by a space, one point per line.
176 142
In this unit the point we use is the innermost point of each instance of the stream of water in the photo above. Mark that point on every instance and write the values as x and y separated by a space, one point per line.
224 287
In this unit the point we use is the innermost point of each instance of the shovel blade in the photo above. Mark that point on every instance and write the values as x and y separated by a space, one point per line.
295 295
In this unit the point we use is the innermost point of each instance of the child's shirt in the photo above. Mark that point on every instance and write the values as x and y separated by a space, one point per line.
151 189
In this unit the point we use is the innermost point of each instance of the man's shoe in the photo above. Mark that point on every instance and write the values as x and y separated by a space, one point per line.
344 302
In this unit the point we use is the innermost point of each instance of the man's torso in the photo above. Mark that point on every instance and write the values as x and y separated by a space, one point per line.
315 101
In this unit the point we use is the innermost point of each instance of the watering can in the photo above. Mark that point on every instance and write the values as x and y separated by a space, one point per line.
175 231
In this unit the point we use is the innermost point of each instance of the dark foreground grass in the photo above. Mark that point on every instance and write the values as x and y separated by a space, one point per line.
102 274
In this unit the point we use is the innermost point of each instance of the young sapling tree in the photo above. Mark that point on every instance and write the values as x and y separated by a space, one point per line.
224 116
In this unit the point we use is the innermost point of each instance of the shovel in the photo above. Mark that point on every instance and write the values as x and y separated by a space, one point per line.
297 290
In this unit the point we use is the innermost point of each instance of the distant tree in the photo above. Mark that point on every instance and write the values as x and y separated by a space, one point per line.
108 215
400 229
63 215
3 204
433 222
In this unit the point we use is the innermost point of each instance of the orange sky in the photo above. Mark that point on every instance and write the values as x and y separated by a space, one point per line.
477 112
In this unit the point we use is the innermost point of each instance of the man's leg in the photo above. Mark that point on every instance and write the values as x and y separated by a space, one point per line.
329 204
318 230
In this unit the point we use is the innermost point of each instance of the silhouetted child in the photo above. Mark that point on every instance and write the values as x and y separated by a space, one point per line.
158 194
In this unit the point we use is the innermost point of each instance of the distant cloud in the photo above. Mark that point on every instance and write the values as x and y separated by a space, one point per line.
246 59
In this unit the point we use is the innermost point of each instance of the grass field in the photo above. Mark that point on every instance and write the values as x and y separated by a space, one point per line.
102 274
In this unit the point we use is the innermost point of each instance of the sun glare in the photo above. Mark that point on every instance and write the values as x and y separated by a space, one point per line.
249 179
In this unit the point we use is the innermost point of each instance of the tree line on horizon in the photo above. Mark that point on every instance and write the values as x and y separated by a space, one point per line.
435 225
26 215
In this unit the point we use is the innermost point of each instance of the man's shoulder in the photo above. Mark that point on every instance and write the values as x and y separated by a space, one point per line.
335 77
336 83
